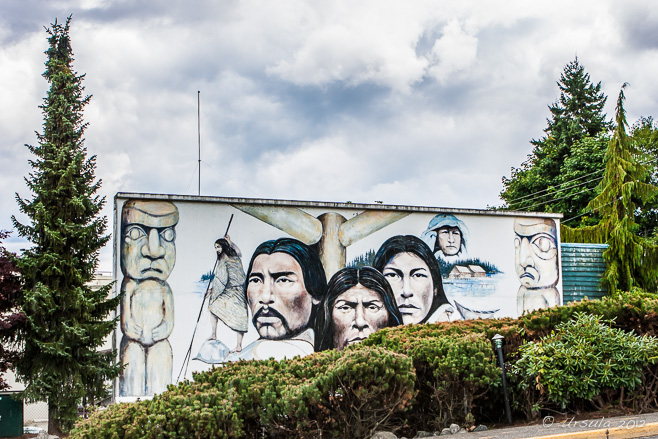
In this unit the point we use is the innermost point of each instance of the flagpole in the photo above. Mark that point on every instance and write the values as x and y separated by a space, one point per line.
198 106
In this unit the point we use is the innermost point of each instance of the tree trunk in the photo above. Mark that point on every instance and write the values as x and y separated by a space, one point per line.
53 420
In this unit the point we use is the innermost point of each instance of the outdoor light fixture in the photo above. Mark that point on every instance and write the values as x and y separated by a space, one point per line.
498 343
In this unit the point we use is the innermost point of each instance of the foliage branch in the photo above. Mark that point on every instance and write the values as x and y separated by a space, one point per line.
12 319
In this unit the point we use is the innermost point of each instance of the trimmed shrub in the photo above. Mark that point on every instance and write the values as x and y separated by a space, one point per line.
454 367
412 377
328 394
348 394
583 360
635 311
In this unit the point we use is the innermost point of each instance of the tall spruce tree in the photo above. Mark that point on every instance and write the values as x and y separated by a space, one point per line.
561 171
579 110
632 261
66 319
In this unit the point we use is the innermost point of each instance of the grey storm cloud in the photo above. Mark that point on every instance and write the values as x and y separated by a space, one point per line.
640 28
419 103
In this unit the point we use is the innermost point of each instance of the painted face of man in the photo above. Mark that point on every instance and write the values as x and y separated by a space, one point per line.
356 314
449 240
277 296
148 248
411 282
536 252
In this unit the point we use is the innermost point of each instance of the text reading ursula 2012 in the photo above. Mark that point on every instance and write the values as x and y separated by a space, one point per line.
549 421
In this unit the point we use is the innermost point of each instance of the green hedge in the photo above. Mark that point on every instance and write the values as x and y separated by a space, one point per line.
584 360
401 379
328 394
454 367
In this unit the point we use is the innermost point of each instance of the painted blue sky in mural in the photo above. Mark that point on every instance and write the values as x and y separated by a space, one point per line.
428 103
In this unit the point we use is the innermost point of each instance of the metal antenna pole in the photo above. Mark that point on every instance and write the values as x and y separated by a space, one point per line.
198 106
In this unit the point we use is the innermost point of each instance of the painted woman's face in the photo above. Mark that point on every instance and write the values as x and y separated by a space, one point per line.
356 314
411 281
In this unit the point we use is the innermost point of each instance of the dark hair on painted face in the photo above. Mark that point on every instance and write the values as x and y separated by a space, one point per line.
227 249
315 280
412 244
339 283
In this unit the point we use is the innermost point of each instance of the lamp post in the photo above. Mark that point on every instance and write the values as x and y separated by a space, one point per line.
498 342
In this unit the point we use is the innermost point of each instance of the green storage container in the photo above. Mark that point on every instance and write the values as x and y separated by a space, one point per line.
582 268
11 414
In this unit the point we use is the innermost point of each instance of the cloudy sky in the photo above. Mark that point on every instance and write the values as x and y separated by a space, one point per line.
417 103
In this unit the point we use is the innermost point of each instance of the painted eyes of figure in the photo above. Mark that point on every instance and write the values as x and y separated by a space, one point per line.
543 243
168 234
374 307
283 280
350 307
392 277
544 246
134 233
255 280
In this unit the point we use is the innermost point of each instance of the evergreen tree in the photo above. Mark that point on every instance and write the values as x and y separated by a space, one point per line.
66 320
11 318
364 260
561 171
631 260
581 171
579 111
645 135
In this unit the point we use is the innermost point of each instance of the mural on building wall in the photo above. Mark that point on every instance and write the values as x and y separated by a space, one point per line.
359 302
285 286
446 235
148 255
411 269
316 278
227 301
536 263
330 232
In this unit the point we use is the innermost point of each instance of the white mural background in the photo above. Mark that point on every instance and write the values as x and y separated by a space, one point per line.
203 220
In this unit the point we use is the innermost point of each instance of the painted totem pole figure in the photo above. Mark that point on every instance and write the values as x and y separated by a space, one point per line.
285 286
536 263
148 255
331 232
